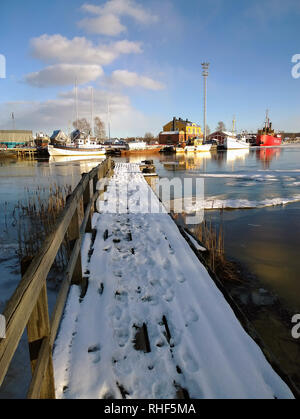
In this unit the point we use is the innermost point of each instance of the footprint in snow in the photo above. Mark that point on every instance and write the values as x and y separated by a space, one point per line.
95 353
121 296
169 295
180 278
190 316
189 361
166 264
171 250
116 312
122 336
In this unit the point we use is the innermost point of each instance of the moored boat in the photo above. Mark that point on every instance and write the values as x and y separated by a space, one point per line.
72 150
78 147
267 136
233 142
179 148
189 148
200 147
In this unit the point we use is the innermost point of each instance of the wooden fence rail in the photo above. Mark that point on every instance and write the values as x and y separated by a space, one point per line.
28 307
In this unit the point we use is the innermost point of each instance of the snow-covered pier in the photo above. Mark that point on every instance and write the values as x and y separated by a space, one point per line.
151 322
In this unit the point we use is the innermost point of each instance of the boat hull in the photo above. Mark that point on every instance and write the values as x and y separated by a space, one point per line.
268 140
203 148
233 144
189 149
70 151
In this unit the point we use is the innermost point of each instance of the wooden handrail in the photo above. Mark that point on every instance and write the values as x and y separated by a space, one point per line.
29 299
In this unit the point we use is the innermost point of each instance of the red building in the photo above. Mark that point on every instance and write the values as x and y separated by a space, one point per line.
219 136
171 137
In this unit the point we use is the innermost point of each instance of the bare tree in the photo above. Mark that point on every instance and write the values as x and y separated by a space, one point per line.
99 128
207 130
149 137
221 126
82 125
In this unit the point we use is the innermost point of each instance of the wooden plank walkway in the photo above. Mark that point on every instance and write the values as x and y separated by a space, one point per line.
150 322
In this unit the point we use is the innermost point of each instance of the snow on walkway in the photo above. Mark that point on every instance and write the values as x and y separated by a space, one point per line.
142 274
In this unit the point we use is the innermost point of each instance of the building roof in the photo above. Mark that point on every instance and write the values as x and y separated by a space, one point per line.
169 132
183 121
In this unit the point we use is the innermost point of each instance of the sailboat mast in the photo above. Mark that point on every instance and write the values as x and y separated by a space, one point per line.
108 119
92 111
76 103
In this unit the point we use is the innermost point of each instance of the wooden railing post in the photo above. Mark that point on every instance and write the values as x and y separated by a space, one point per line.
87 197
38 330
73 234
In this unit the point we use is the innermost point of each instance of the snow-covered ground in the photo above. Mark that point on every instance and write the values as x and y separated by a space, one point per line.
143 273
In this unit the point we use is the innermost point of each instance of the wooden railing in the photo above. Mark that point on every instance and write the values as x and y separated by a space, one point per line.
28 306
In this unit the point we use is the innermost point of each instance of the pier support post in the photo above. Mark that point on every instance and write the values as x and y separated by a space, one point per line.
38 332
87 197
73 235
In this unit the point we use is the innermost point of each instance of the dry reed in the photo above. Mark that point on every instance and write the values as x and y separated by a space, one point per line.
212 236
34 218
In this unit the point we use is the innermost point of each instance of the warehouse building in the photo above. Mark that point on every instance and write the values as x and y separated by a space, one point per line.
179 131
13 138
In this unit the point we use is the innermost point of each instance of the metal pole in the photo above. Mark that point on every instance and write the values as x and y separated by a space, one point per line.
205 67
205 108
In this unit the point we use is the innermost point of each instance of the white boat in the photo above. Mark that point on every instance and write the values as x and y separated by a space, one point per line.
80 147
203 148
232 142
137 145
189 148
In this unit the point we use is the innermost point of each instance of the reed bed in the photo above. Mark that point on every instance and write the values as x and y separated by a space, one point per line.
212 236
34 218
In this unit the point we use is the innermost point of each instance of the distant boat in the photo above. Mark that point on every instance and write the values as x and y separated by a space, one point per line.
233 142
199 147
179 149
203 148
78 147
189 148
267 137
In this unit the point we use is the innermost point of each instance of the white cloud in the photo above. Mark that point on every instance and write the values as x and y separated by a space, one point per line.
59 113
64 74
105 25
107 20
79 50
131 79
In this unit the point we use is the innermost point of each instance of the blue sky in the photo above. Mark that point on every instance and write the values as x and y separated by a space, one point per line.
144 58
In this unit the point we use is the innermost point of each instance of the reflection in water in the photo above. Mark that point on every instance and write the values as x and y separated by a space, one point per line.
266 155
65 159
232 155
188 161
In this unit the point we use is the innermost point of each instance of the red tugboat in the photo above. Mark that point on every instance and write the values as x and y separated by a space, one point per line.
266 137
